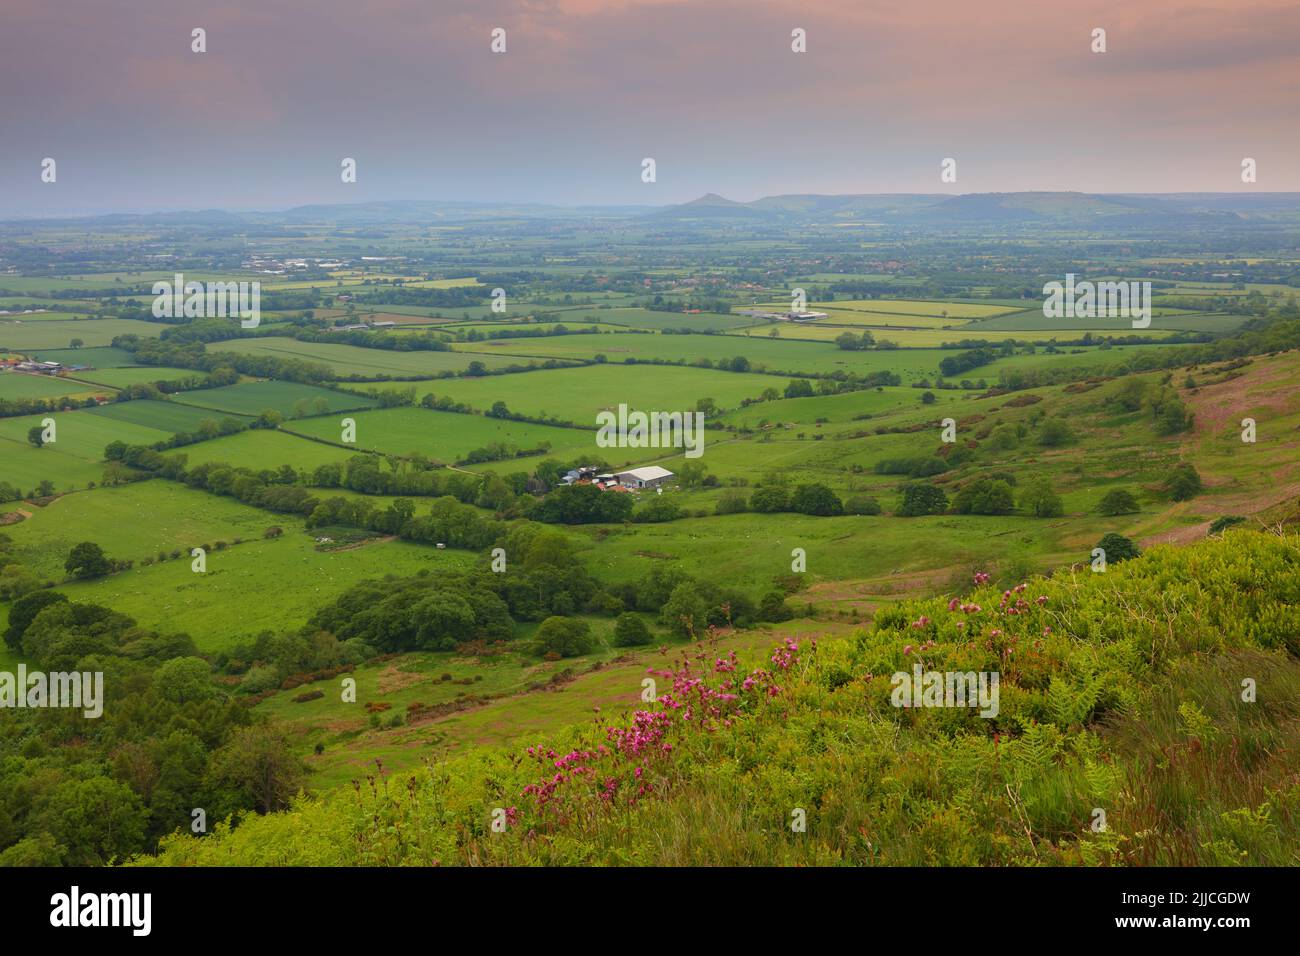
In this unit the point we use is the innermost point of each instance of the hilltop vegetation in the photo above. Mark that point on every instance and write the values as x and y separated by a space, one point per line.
1121 692
340 552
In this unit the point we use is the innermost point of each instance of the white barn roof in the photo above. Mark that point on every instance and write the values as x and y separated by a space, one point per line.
649 473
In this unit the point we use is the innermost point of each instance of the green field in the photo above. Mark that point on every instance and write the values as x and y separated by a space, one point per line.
132 522
918 307
763 353
576 395
30 336
26 467
831 408
1162 320
445 436
82 433
636 318
252 398
135 375
14 385
261 448
101 357
252 587
171 417
910 338
345 360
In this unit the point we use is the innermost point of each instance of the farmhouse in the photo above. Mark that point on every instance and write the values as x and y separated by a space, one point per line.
652 476
49 368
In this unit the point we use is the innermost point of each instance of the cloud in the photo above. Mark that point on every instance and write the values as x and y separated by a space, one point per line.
588 87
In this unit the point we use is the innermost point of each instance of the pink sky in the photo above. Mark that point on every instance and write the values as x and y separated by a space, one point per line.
709 88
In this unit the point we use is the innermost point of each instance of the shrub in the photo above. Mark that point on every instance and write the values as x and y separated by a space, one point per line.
1219 525
1039 500
1117 501
1053 433
87 560
1118 548
984 496
862 505
922 499
565 636
815 499
659 508
630 631
769 500
732 502
1184 482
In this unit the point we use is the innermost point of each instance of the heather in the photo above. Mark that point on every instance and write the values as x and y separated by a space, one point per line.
1121 692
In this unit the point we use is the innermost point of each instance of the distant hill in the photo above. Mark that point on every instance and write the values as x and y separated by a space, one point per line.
1134 210
993 208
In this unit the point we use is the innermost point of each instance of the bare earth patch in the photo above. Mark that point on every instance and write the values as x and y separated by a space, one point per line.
1265 384
391 679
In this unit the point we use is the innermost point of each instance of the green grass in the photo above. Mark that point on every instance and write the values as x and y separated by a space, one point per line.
636 318
136 375
1132 706
253 587
913 307
132 522
346 360
576 395
834 408
445 436
171 417
262 448
103 357
252 398
1171 321
763 353
16 385
34 336
26 467
82 434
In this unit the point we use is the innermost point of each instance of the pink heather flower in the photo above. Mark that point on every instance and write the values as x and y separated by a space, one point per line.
907 649
995 633
954 604
1041 599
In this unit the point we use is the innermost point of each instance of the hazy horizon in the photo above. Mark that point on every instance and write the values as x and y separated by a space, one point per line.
649 207
588 88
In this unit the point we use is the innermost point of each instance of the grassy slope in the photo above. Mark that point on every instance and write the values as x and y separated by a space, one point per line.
1119 691
256 586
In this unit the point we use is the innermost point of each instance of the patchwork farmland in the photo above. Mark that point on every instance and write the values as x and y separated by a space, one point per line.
381 535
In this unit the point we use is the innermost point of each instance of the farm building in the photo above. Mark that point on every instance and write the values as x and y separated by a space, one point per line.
576 476
48 368
652 476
